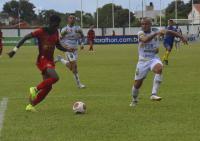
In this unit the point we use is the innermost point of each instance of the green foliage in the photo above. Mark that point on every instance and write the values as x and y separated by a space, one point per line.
22 7
183 9
121 16
105 14
45 14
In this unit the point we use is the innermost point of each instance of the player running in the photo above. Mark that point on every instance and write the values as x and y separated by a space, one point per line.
90 37
148 59
168 41
48 39
70 35
177 40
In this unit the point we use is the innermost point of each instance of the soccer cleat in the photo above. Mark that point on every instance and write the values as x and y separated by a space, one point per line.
30 108
33 92
81 86
134 102
58 59
155 98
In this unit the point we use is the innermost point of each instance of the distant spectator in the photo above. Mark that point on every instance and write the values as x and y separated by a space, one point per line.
113 33
1 44
177 40
90 37
198 32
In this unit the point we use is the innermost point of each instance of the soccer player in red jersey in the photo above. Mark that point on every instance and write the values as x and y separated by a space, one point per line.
90 37
48 39
1 44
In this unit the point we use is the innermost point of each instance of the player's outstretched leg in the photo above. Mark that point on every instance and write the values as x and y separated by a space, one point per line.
165 57
37 94
76 76
156 82
167 53
41 95
135 92
61 59
90 46
71 66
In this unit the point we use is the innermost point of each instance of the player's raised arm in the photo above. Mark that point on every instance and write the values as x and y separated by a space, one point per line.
82 37
19 44
145 39
173 33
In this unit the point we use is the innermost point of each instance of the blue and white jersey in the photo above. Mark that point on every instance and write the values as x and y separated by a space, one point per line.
177 39
147 51
72 36
169 39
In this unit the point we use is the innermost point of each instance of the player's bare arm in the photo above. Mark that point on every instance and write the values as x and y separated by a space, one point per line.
81 36
19 44
184 40
145 39
80 32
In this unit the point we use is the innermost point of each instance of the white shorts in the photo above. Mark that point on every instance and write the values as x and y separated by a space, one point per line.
143 67
72 56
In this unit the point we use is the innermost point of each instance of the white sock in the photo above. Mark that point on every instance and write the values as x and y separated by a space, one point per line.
135 92
156 83
63 61
76 77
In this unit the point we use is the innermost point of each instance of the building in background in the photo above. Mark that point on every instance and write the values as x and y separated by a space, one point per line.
194 14
5 19
150 12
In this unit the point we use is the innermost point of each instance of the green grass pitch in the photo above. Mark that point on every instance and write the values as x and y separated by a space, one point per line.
108 74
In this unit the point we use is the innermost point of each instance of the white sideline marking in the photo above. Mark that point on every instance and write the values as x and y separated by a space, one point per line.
3 107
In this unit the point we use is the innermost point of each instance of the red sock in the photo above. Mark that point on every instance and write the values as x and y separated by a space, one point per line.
41 95
46 83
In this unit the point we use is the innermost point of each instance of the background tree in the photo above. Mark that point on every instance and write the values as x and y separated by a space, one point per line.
88 20
121 16
183 9
22 7
170 10
45 14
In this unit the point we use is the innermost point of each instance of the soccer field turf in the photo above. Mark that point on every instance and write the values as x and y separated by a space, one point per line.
108 74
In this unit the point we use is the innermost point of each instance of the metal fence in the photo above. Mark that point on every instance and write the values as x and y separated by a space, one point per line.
186 29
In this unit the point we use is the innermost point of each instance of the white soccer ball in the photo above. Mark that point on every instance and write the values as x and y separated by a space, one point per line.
79 107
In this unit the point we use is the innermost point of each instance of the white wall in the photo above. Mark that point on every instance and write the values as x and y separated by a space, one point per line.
196 16
108 31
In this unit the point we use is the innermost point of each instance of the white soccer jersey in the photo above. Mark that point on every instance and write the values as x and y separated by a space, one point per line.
147 50
147 56
72 36
179 31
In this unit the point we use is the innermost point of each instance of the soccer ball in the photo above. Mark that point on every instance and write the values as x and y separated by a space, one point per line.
79 107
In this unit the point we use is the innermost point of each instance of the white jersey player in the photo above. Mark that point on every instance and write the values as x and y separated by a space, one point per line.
70 36
148 59
177 40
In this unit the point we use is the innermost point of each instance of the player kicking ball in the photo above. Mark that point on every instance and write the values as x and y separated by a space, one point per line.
70 35
48 39
148 59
